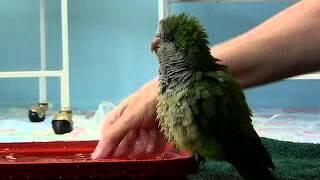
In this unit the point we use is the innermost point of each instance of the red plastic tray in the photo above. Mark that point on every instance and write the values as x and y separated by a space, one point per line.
71 160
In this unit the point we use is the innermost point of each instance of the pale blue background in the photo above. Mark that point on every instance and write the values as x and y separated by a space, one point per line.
109 49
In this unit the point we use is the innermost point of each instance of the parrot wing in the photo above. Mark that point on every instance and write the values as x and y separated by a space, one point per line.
221 112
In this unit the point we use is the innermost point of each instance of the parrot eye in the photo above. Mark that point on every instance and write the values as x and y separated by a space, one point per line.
171 38
165 37
158 36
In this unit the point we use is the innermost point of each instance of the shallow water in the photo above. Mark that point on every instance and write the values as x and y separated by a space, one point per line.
17 158
13 158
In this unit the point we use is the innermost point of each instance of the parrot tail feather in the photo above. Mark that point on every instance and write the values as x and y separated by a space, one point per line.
252 162
200 159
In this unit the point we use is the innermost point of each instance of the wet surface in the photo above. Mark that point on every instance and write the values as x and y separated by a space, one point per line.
16 158
67 152
80 157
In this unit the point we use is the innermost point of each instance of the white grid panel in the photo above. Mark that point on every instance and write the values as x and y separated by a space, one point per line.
63 74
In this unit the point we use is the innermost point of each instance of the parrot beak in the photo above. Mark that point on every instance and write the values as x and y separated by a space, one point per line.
155 44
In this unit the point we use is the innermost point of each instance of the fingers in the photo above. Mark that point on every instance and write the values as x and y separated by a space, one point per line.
139 149
112 135
148 143
160 143
102 150
109 119
133 145
151 147
126 145
156 142
107 145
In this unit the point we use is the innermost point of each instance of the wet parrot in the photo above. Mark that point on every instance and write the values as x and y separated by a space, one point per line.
200 106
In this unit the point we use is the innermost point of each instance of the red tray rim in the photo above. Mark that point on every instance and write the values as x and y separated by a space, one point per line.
25 148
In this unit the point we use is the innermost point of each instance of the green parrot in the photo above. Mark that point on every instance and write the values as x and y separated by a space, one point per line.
200 107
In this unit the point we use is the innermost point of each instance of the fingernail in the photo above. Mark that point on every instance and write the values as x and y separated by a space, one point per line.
94 155
150 149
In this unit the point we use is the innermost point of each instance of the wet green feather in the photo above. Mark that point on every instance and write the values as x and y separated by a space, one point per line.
210 115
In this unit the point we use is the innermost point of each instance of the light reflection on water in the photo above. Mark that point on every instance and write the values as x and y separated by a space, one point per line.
79 157
12 157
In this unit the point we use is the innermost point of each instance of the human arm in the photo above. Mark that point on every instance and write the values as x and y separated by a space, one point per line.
288 44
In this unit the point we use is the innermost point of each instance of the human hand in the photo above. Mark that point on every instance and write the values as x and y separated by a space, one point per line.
131 130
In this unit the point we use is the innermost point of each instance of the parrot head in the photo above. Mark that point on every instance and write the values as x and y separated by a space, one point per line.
182 47
181 36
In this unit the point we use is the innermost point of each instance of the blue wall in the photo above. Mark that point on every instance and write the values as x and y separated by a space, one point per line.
109 48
